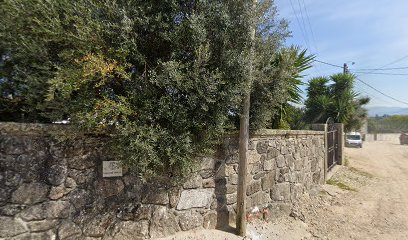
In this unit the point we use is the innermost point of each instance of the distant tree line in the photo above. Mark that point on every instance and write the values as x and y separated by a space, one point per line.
388 124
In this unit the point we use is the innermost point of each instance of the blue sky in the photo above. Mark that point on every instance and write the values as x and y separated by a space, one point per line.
372 34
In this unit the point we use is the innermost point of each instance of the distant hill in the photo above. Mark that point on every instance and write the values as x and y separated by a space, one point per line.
380 111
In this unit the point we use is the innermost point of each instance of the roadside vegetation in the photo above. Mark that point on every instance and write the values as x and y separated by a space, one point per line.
388 124
340 185
165 81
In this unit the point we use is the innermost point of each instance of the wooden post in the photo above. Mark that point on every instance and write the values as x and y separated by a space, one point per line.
244 138
242 171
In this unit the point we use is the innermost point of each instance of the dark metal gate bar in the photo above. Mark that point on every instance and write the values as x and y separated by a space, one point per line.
332 143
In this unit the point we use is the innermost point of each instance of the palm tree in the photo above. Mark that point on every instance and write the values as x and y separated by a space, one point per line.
337 100
278 87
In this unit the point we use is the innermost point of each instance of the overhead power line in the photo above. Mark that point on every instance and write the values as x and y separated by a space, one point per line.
384 94
377 69
382 73
330 64
302 29
388 64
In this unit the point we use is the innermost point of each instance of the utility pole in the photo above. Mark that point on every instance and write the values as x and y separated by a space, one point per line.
345 68
244 137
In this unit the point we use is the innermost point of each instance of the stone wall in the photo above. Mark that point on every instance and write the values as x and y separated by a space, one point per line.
53 189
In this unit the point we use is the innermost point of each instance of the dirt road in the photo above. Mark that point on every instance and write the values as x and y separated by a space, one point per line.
379 208
366 200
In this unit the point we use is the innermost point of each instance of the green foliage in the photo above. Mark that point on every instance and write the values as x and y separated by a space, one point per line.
277 82
163 76
334 97
388 124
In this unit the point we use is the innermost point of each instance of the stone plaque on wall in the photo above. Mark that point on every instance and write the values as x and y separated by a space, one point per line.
112 169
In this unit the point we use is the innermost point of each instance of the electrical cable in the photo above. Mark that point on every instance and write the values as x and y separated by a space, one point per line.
303 31
376 69
384 94
330 64
380 73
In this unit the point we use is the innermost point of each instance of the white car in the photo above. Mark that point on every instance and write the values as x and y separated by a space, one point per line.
353 139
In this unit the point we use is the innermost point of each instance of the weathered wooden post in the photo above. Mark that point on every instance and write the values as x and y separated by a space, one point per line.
244 137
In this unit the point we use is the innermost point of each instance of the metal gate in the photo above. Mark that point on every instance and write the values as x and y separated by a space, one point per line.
332 144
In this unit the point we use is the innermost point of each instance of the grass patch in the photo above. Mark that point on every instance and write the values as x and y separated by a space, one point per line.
346 161
340 185
362 173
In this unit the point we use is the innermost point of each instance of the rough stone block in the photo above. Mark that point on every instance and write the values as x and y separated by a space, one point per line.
174 197
82 176
280 161
281 192
190 219
282 175
41 226
298 165
30 193
11 209
207 173
83 161
268 165
38 236
209 183
230 188
96 227
253 187
56 174
10 227
272 153
253 157
70 183
256 168
210 220
156 196
163 223
207 163
80 198
193 182
284 150
231 198
290 161
195 198
68 229
316 177
259 175
109 187
268 181
58 192
262 146
12 178
47 210
144 212
233 179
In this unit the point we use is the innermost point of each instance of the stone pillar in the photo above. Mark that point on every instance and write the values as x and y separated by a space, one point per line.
340 140
323 127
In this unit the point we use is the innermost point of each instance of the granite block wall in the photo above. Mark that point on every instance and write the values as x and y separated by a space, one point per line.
53 189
